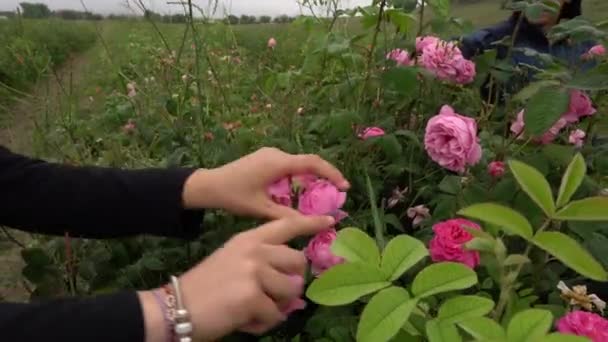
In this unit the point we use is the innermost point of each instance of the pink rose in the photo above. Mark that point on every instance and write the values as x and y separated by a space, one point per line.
371 132
272 43
449 240
517 127
580 106
439 60
280 191
496 169
418 214
587 324
422 42
129 127
596 51
304 180
401 57
466 71
451 140
577 138
322 198
319 253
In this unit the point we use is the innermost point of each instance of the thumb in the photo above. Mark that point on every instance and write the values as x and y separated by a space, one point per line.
283 230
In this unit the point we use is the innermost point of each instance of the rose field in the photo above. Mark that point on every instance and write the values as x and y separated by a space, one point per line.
478 209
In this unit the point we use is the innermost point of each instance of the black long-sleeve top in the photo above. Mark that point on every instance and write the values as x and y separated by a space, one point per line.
90 202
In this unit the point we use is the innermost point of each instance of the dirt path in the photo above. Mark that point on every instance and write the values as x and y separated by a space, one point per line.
17 135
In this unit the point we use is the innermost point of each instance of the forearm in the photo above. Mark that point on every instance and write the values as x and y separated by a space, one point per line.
117 318
93 201
154 322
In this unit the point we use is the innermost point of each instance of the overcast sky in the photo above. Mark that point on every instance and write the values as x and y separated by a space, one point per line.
237 7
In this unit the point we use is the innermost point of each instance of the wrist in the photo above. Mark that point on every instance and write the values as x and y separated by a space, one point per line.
154 321
198 190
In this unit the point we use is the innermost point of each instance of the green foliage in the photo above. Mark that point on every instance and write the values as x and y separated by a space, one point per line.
355 246
443 277
501 216
400 254
534 184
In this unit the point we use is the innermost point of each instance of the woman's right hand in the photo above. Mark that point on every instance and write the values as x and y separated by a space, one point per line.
247 284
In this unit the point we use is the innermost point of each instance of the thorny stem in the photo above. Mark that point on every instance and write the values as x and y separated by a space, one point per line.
372 48
506 287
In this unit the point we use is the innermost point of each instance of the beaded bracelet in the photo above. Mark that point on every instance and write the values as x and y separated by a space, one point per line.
183 326
166 314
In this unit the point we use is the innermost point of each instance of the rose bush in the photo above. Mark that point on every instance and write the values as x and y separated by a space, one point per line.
422 146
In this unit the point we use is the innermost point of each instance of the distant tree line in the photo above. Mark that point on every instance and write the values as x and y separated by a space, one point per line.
39 11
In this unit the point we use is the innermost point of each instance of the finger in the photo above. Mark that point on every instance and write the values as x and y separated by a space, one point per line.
277 211
311 163
280 286
283 230
266 315
285 259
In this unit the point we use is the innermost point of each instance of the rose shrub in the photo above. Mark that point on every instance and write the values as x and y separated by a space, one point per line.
463 216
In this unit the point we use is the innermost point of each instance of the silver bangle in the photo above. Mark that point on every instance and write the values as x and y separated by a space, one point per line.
183 326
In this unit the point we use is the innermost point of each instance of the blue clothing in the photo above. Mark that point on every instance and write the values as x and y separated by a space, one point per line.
528 36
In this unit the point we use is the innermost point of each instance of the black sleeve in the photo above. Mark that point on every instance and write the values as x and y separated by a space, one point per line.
482 40
93 202
116 318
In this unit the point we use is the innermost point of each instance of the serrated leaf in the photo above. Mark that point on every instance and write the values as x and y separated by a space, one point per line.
571 253
588 209
443 277
534 184
345 283
385 314
401 253
458 309
572 179
529 325
479 244
496 214
544 109
483 329
439 331
354 245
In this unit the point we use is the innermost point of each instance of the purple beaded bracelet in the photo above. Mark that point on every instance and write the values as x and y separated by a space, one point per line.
168 322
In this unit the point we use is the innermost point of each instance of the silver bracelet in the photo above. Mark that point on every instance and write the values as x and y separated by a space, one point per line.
183 326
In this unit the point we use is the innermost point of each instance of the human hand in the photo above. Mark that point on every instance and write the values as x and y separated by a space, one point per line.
247 284
241 186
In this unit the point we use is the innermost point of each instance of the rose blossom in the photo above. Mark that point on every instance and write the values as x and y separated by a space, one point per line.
401 57
587 324
517 127
322 198
449 240
451 140
129 127
496 169
304 180
418 214
466 71
422 42
580 106
272 43
577 137
319 253
596 51
371 132
280 191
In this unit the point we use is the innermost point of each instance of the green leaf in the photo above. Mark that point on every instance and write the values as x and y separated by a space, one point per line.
557 337
529 325
516 259
461 308
592 79
376 215
544 109
345 283
483 329
401 253
571 253
588 209
496 214
356 246
573 177
534 184
533 88
450 184
440 7
385 314
403 80
479 244
152 263
443 277
36 257
438 331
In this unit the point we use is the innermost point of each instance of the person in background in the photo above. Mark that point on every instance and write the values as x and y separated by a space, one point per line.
248 285
531 34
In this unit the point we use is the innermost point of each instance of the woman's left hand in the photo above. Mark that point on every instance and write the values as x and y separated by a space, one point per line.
241 186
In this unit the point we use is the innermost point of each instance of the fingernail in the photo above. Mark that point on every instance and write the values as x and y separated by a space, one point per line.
330 220
345 185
